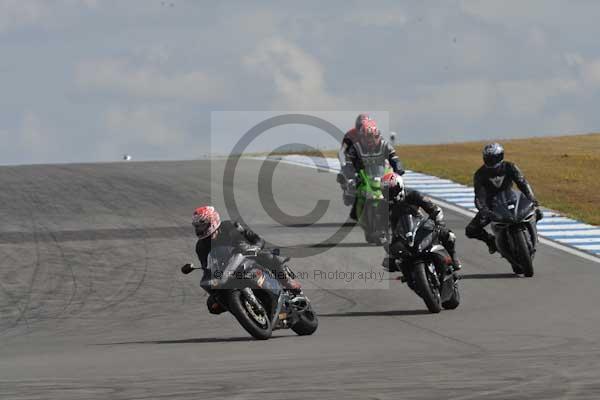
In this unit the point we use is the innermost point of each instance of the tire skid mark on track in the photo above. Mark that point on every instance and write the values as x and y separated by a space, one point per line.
22 315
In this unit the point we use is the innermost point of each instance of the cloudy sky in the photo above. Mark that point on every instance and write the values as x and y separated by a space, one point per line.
90 80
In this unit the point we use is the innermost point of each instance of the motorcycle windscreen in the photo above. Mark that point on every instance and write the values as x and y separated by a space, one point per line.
223 263
504 205
404 226
424 234
375 170
525 208
374 163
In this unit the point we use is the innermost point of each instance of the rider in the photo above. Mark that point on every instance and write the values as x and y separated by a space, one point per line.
493 177
403 201
212 232
346 168
373 146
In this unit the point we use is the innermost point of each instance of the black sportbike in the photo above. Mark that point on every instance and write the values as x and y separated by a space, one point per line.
425 264
514 223
254 296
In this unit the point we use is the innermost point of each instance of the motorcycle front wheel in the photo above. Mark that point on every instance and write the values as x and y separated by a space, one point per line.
523 254
429 294
253 317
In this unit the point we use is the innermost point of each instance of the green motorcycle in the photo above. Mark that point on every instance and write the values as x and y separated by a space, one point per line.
371 209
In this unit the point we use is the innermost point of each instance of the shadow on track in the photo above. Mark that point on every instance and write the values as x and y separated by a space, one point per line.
323 225
196 340
302 250
375 313
489 276
331 245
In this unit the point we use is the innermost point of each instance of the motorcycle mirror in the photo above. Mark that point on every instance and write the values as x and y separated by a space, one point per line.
187 268
276 252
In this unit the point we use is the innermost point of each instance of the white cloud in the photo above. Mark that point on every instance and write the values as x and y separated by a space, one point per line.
18 14
587 70
563 123
142 126
149 82
466 99
380 17
298 76
529 97
510 11
591 72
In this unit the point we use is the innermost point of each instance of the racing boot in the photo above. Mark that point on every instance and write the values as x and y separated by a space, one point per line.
353 215
456 264
448 239
490 240
539 214
389 264
213 305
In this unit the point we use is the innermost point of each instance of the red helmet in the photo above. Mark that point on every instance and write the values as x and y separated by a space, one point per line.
370 135
392 186
360 120
206 221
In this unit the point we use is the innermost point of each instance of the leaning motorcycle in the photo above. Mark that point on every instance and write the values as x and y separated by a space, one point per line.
425 264
371 209
254 296
514 224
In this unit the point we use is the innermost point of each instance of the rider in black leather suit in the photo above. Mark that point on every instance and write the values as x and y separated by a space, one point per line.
212 232
495 176
404 201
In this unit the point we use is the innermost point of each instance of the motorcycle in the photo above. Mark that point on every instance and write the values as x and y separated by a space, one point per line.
371 209
253 295
514 224
425 264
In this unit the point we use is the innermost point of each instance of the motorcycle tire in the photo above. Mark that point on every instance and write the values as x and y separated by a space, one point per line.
238 307
430 296
516 269
454 301
523 254
307 324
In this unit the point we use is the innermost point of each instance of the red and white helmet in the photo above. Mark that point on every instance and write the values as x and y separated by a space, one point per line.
370 134
392 186
206 221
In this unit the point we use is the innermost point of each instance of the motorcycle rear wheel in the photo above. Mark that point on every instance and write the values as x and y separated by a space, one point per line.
257 325
430 296
307 324
454 301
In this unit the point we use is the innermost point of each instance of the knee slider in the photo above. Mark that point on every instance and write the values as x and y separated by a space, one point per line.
471 232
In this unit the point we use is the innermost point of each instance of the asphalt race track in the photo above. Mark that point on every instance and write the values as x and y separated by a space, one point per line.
92 304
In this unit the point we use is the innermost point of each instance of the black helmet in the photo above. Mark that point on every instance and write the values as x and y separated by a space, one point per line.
493 155
360 119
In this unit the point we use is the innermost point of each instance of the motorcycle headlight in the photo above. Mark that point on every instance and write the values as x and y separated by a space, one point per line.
374 196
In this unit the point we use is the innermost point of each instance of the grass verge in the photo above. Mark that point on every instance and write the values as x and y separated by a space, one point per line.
564 170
